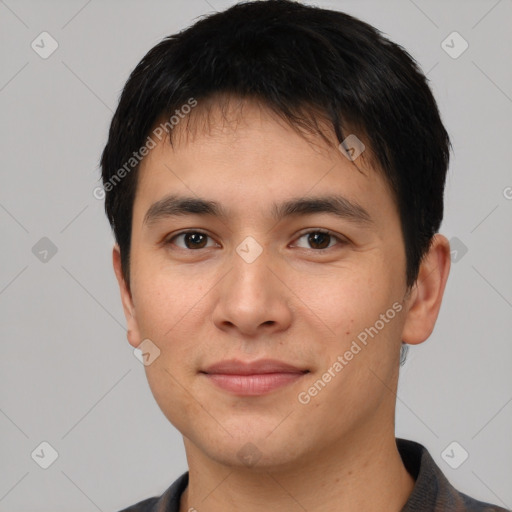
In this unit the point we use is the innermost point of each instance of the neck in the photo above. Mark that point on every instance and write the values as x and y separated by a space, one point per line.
364 472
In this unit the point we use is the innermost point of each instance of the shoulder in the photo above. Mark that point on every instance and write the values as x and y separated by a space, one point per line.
432 491
473 505
147 505
169 501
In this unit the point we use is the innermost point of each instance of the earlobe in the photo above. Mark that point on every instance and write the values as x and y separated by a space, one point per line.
133 333
427 293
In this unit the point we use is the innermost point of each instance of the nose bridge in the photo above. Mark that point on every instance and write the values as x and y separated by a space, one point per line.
251 277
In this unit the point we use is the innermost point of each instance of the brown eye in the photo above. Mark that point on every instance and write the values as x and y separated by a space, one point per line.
319 239
191 240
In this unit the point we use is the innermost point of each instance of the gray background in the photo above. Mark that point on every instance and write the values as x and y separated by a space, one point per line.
68 374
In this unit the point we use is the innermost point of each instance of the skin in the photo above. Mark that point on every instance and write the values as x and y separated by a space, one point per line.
296 303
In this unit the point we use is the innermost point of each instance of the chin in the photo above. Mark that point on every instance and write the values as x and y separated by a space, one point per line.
256 446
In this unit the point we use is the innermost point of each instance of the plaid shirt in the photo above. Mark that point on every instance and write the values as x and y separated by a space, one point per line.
432 492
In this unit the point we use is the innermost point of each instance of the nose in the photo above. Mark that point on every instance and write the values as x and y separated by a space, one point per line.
251 299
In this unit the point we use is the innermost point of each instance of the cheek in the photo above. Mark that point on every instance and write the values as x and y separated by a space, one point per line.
160 302
172 311
355 316
341 303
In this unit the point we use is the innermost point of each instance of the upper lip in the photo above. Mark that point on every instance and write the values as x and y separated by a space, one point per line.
238 367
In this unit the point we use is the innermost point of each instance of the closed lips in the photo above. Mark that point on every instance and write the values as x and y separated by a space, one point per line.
264 366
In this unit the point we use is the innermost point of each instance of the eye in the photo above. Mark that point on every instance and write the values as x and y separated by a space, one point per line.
320 239
317 239
191 240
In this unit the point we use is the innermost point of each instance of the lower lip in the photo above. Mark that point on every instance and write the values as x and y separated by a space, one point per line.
252 385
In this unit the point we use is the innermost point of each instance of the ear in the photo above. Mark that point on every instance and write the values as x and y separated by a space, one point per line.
133 332
426 295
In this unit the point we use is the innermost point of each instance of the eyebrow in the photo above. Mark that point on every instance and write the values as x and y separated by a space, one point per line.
175 206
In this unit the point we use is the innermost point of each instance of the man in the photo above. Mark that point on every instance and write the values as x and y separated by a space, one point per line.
274 178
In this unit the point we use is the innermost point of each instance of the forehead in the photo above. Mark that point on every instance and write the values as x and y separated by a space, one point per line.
234 147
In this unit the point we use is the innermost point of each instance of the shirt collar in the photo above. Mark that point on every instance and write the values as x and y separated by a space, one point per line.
432 491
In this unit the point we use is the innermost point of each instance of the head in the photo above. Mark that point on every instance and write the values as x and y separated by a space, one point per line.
305 156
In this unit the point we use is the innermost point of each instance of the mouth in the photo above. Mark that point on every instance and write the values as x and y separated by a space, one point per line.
254 378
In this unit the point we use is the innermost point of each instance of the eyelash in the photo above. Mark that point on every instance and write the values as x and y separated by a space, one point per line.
340 241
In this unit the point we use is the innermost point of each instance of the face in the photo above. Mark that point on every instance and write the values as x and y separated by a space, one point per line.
267 274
